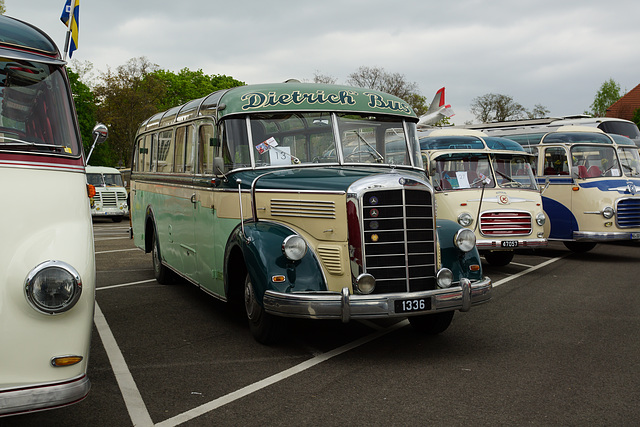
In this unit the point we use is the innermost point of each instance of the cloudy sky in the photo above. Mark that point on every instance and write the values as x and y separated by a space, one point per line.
554 53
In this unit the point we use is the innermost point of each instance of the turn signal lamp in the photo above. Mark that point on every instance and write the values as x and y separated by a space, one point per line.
65 361
474 267
91 191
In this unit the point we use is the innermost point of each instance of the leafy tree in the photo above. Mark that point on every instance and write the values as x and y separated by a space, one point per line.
496 107
636 117
187 85
608 93
85 103
3 9
392 83
126 97
539 111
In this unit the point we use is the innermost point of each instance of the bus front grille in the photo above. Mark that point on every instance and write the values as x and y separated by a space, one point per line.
505 223
628 213
399 249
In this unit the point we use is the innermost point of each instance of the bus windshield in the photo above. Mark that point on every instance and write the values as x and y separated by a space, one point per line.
514 171
458 171
35 111
285 139
105 180
630 160
590 161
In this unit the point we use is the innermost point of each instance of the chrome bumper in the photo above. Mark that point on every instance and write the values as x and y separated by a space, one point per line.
496 244
345 306
45 396
601 236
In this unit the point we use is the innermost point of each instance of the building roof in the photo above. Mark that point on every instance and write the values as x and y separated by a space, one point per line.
625 107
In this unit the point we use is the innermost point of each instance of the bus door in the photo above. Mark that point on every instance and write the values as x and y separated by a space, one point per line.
209 271
554 168
186 203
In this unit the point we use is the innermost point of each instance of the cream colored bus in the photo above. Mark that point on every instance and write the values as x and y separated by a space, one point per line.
487 185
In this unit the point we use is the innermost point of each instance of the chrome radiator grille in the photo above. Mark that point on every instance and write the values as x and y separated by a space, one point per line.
505 223
399 249
628 213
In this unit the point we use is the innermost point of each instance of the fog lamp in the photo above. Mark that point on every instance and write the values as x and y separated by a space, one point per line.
444 278
608 212
365 283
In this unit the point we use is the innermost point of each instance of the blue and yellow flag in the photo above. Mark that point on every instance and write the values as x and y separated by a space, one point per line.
69 17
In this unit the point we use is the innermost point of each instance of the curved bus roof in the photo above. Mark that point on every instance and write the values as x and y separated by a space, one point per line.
452 139
284 97
20 40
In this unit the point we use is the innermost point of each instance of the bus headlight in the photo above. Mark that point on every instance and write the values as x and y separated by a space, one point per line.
465 239
365 283
294 247
608 212
541 218
53 287
465 219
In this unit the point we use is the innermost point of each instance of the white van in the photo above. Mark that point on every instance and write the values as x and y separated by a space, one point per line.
47 267
110 197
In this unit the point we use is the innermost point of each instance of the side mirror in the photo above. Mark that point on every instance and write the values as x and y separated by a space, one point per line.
100 133
432 168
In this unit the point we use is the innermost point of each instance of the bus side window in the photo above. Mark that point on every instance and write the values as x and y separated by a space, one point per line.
206 149
179 149
555 161
190 149
165 153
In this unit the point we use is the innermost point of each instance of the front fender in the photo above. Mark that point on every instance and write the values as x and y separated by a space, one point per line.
453 258
261 247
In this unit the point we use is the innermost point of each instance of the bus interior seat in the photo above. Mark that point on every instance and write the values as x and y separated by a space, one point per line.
594 171
582 171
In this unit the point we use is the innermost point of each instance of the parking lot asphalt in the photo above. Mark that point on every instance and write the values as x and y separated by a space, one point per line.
557 345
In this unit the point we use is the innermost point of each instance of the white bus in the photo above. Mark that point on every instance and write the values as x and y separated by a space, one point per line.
110 199
47 269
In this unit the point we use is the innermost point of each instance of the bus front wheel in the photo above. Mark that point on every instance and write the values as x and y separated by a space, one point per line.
432 324
580 247
263 325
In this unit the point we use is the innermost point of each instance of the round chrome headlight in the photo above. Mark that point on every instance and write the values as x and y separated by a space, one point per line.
294 247
608 212
541 218
465 219
53 287
366 283
465 239
444 278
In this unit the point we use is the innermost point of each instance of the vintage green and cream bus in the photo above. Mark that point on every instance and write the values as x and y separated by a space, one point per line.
300 200
487 185
47 269
590 180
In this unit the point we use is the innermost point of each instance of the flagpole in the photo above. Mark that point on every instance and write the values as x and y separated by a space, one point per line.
68 25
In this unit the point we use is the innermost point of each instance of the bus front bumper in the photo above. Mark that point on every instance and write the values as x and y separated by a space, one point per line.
595 236
44 396
346 306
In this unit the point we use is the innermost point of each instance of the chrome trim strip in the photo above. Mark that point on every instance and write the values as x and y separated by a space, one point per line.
598 236
341 305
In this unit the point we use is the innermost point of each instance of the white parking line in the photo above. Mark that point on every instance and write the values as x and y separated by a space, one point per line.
520 264
133 400
223 400
118 250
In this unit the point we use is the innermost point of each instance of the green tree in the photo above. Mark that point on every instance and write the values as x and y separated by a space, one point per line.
126 97
85 103
3 9
392 83
636 117
188 85
608 93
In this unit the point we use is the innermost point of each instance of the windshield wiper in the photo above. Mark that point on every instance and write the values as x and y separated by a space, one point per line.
511 180
28 144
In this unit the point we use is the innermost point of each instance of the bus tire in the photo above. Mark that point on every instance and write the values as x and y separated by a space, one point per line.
580 247
432 324
160 272
499 258
116 218
263 326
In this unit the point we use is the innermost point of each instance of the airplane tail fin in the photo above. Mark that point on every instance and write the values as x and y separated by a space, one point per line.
437 110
